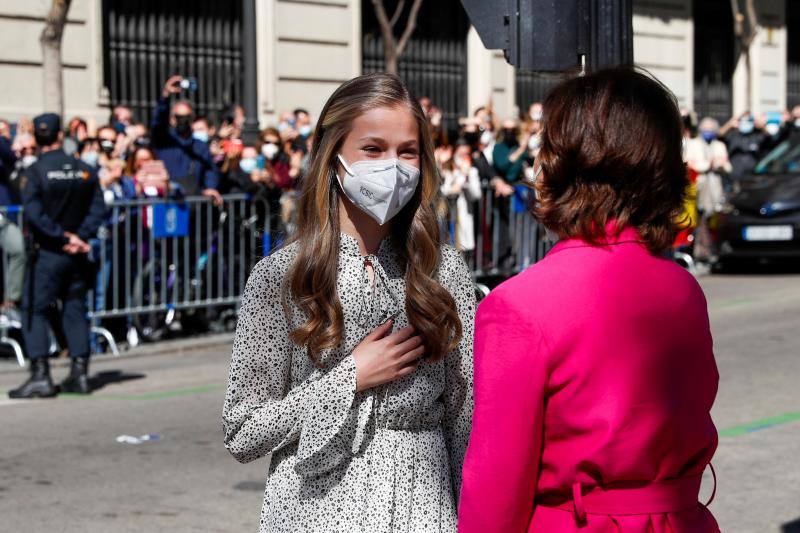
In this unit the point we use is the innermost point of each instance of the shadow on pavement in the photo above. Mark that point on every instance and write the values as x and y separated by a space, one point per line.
250 485
101 379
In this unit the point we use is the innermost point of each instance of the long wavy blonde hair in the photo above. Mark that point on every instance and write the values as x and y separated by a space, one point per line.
312 278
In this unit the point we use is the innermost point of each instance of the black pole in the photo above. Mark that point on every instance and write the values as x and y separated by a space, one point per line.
249 61
610 35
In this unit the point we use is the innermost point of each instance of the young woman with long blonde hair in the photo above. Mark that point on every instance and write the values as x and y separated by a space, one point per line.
352 362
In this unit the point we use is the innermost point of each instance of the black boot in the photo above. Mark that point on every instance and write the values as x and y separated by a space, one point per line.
39 385
78 379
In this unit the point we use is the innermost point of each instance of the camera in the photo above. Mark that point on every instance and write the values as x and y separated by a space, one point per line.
189 84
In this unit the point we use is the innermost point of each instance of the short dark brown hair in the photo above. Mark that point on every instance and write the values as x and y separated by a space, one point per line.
611 151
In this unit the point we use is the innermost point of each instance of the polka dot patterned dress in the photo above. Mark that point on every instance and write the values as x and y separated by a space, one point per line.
387 459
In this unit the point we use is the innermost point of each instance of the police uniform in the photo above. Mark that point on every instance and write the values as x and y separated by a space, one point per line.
60 195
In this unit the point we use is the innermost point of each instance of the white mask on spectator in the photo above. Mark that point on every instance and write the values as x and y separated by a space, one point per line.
487 137
90 158
269 150
380 188
28 160
248 164
772 128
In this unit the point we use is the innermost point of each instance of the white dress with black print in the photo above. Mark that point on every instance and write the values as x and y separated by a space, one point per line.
387 459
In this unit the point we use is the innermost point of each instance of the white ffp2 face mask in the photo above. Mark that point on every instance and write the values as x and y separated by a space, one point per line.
380 188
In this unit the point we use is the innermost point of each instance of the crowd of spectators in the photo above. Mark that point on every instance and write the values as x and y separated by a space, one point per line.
483 159
177 153
717 157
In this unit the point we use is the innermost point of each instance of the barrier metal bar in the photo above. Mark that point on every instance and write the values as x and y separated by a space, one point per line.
497 253
189 260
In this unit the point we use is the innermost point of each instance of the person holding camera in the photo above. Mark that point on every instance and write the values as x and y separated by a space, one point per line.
187 159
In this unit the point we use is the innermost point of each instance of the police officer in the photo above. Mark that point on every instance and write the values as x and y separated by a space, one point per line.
64 208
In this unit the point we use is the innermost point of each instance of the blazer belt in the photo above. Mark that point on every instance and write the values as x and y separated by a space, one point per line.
669 496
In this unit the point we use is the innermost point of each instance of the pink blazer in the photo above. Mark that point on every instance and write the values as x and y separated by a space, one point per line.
594 380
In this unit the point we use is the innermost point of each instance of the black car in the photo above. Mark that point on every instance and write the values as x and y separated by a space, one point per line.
761 219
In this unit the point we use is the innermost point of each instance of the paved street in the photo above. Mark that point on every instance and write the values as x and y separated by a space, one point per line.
61 467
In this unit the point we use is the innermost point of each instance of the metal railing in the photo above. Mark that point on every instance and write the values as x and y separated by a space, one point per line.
507 240
160 262
164 261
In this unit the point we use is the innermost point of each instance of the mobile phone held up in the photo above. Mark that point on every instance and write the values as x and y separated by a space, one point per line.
189 84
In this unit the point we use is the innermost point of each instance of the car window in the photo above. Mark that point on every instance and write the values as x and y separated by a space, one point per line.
783 159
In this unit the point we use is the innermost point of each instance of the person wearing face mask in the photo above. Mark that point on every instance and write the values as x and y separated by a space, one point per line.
488 127
510 154
187 159
461 185
282 169
201 129
533 126
509 158
775 131
302 119
121 118
89 152
745 142
477 138
352 363
244 173
707 157
787 125
250 172
107 138
76 135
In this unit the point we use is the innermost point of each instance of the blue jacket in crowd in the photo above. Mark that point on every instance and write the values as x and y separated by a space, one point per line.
8 195
188 160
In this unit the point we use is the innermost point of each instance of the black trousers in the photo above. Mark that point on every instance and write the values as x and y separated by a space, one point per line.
55 277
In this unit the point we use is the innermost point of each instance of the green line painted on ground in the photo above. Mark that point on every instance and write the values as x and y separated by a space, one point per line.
155 395
732 302
758 425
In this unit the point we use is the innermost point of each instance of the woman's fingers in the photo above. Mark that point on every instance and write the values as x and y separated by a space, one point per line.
412 356
406 370
398 337
409 344
380 332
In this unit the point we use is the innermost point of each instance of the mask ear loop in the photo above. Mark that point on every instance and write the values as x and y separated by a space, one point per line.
345 165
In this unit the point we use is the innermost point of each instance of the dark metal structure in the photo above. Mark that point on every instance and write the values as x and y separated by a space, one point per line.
533 87
714 47
434 63
148 40
556 35
249 53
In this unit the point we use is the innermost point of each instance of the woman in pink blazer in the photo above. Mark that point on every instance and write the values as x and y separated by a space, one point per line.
594 370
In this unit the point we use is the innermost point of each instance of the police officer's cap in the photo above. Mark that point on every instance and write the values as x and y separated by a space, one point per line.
46 124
